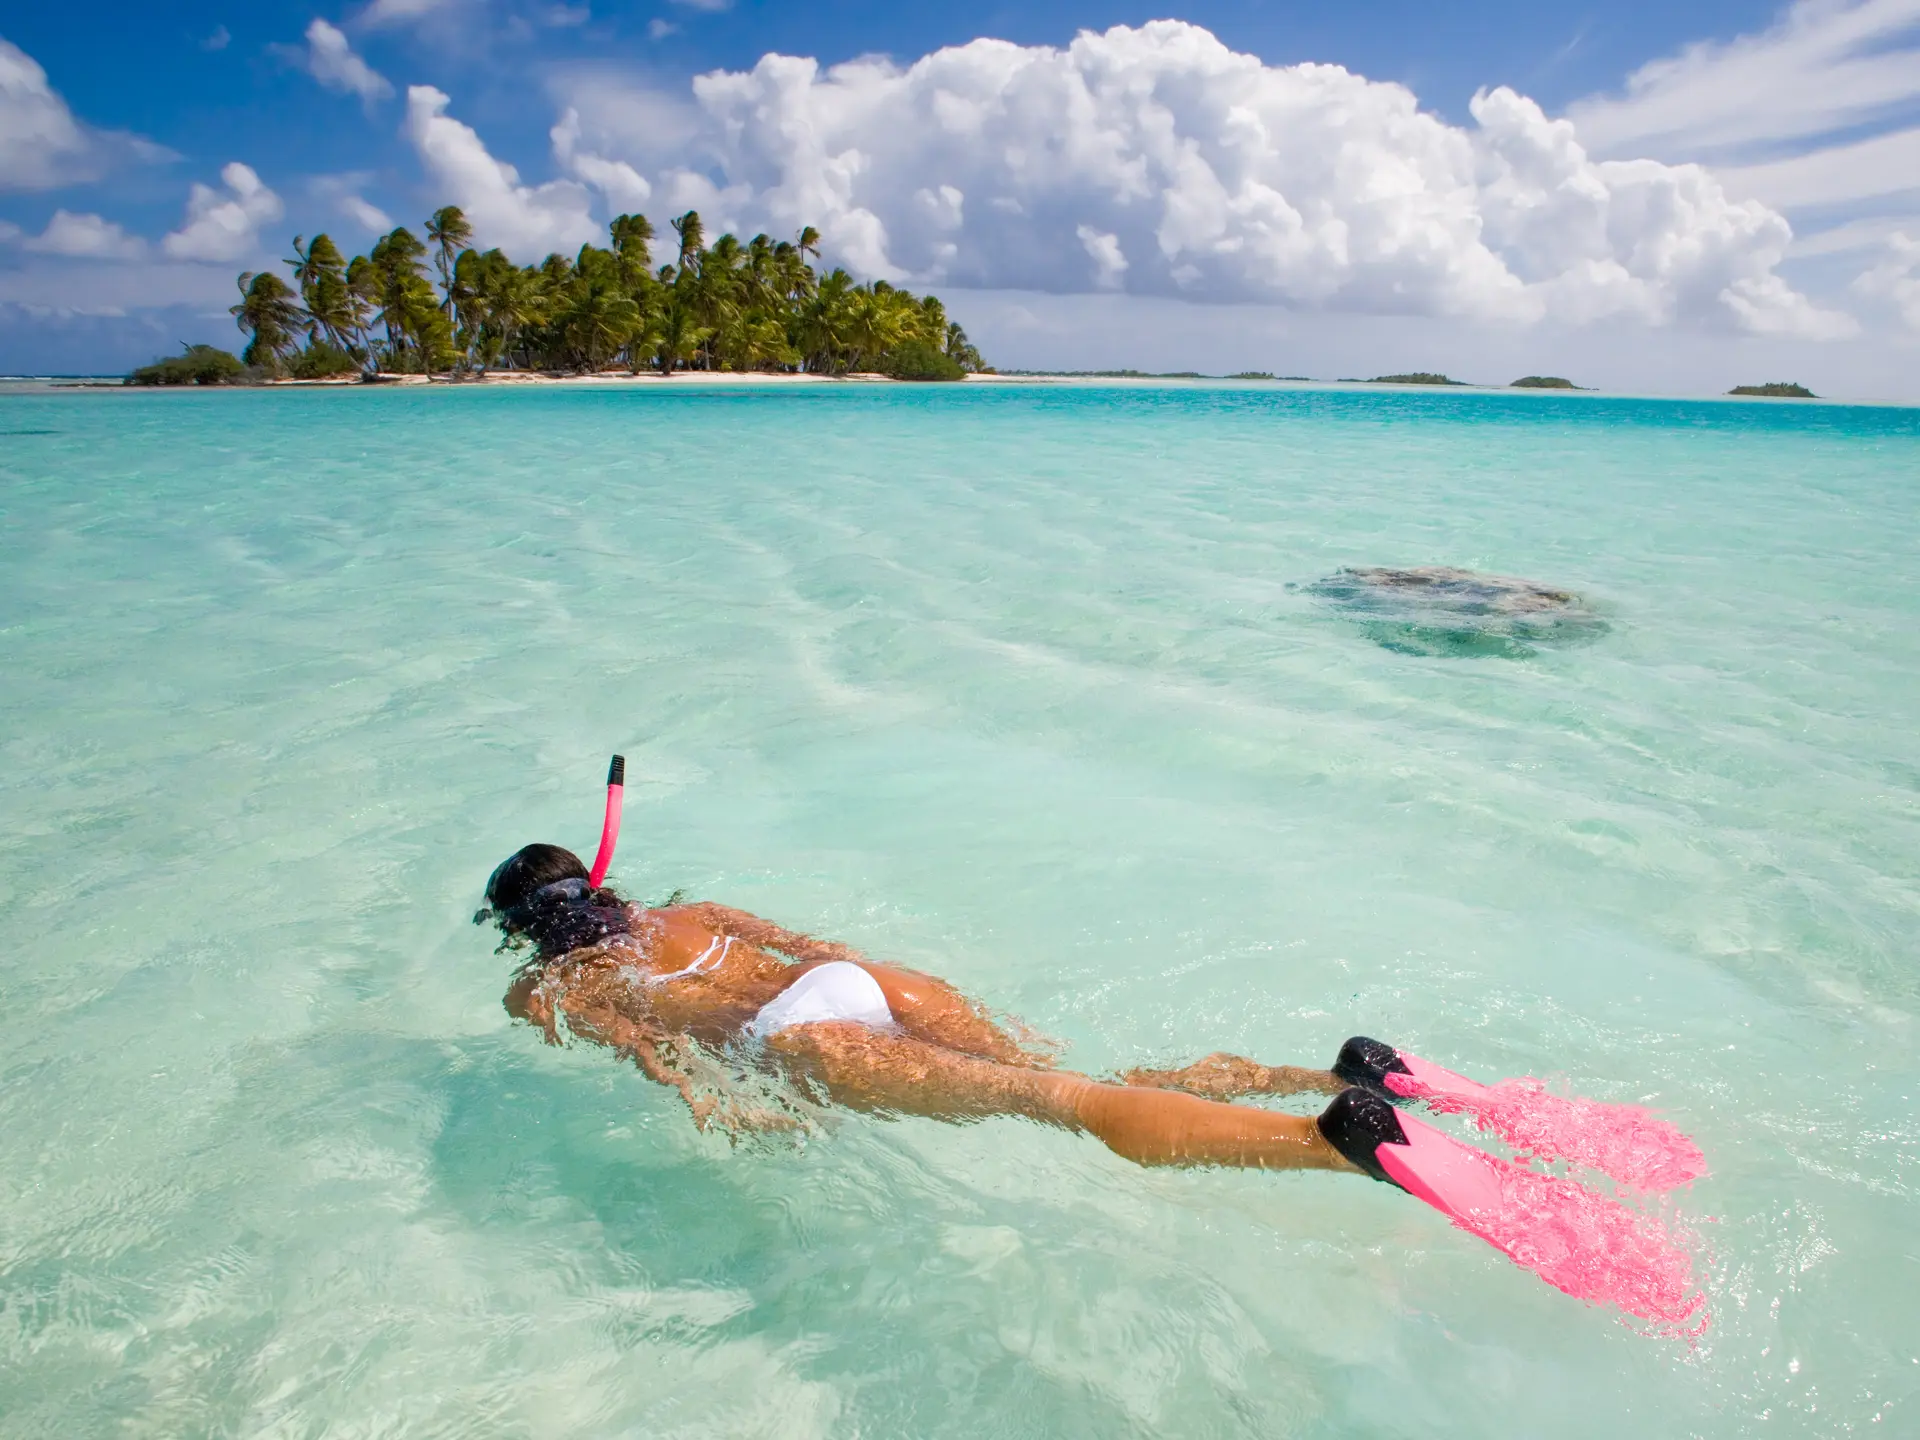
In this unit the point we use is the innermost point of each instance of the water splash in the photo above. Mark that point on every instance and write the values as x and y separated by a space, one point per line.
1593 1248
1590 1246
1630 1144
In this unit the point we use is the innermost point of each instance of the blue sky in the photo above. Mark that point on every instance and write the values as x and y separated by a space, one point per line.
1148 195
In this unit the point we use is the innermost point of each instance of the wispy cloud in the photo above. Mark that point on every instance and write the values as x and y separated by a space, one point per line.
1826 66
400 12
1839 175
341 194
43 146
331 60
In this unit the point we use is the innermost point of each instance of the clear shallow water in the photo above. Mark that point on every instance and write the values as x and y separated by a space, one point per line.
1006 683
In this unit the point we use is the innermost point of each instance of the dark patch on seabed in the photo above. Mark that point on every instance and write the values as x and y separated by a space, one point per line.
28 432
1438 610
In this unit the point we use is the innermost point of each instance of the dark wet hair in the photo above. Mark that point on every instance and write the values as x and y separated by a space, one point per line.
541 891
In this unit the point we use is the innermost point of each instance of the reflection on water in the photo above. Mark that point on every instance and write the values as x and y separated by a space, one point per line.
1439 610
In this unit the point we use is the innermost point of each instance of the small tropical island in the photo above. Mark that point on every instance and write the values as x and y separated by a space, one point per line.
440 309
1778 389
1543 382
1418 377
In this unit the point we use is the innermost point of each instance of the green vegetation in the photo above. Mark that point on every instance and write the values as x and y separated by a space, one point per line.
1781 388
919 360
441 307
1542 382
199 365
1418 377
322 360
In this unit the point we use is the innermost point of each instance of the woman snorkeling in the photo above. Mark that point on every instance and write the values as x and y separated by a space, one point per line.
669 986
675 986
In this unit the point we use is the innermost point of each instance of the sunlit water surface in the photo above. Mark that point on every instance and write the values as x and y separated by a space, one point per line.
1007 683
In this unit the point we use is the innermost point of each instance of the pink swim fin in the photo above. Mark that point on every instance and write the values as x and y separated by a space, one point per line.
1580 1242
1627 1142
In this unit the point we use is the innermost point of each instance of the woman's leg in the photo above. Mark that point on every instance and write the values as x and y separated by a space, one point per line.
1221 1076
867 1070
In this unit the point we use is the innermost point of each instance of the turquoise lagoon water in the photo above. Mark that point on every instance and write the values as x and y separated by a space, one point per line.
1008 683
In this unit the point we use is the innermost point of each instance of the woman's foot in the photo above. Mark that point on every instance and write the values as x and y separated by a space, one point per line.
1367 1063
1357 1124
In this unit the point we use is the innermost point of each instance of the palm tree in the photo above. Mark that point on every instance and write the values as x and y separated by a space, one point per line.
514 301
631 236
691 233
268 314
823 323
448 232
363 295
321 273
305 272
599 324
681 336
397 289
960 349
733 306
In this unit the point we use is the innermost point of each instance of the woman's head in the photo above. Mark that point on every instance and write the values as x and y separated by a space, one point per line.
541 891
526 870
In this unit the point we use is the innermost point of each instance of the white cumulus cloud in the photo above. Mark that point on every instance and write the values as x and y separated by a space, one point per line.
1896 279
224 224
1158 161
331 60
625 188
86 236
527 221
42 144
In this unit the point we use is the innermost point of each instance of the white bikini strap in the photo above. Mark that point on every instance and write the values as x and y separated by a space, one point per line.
699 966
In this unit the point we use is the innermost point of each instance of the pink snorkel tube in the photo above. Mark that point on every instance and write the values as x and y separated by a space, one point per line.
610 827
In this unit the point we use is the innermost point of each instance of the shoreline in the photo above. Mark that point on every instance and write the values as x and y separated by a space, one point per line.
724 379
646 377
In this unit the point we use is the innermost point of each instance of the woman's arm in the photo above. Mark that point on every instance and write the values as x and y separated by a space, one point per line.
655 1049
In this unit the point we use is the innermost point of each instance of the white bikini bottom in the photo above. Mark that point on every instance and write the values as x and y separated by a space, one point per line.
838 990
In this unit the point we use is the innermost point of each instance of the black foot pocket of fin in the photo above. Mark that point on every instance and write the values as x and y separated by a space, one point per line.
1357 1124
1366 1063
